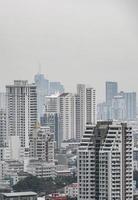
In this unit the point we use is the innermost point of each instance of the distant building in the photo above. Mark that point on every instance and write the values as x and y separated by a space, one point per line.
80 110
3 128
105 162
42 144
45 88
118 108
3 120
41 168
72 190
56 196
42 85
55 87
130 100
18 196
111 91
67 122
85 105
104 112
51 116
90 106
21 110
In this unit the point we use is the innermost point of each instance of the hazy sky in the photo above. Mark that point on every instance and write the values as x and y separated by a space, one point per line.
76 41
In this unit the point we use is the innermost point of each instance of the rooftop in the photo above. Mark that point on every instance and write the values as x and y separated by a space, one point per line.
16 194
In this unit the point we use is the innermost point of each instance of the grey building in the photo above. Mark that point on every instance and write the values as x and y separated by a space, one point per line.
111 91
42 85
51 116
130 100
3 120
55 87
105 162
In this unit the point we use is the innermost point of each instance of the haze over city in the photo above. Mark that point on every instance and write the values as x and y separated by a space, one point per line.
75 41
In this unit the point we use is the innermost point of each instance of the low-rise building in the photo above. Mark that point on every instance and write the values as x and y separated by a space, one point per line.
57 196
41 169
72 190
18 196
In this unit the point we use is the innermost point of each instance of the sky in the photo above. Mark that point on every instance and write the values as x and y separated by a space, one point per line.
74 41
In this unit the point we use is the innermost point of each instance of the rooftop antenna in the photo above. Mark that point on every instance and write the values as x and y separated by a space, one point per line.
39 68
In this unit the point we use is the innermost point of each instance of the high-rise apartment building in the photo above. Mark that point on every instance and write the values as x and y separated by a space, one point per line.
90 106
55 87
80 110
67 117
85 108
21 110
42 86
118 108
111 91
105 157
51 115
131 108
45 88
42 144
3 120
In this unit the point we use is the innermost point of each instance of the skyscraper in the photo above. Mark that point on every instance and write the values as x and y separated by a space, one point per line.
111 91
130 100
67 117
90 106
80 110
42 86
21 110
51 115
85 108
118 108
55 87
3 120
45 88
42 144
105 169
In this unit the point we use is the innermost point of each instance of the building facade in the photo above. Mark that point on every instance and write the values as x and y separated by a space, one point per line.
21 110
105 162
111 91
42 144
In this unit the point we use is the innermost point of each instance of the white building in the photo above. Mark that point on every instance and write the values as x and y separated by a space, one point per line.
42 144
41 169
105 162
67 129
21 110
85 108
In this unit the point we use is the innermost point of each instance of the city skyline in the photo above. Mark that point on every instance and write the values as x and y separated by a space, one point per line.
96 41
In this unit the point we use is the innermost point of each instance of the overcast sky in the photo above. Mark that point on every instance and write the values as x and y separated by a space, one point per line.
76 41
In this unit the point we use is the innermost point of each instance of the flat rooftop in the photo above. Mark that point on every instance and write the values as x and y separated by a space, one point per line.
16 194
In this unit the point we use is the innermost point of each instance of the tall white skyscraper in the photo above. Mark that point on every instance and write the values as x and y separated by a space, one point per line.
85 108
21 110
67 117
80 110
105 162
